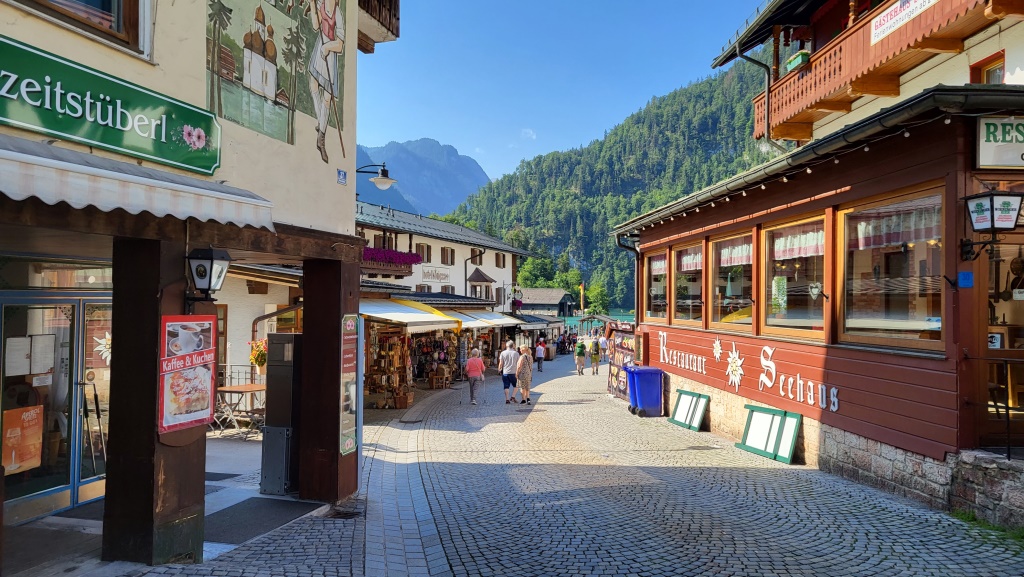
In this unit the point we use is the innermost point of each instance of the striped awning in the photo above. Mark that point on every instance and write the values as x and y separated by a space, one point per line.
54 174
418 321
493 318
468 322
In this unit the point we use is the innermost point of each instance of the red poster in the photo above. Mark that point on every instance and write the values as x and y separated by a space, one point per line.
188 365
23 439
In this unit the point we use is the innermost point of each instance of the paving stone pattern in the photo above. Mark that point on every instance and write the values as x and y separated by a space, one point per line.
575 485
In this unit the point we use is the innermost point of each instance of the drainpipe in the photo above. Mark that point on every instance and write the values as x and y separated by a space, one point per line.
636 266
465 270
767 98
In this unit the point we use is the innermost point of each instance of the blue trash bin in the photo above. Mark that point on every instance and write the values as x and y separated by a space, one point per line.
631 387
648 391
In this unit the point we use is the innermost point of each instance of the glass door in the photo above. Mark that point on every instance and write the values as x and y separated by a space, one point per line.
38 407
93 389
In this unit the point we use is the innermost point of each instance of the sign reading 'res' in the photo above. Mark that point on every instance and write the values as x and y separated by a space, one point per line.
45 93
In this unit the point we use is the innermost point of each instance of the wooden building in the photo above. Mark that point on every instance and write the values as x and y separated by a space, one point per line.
837 282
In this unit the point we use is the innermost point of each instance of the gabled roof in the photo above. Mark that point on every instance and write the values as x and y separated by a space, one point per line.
479 276
385 217
542 296
758 28
447 300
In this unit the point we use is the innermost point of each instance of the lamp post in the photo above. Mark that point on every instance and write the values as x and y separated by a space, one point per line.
382 181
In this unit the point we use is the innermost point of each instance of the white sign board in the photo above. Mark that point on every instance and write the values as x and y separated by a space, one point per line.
895 16
1000 142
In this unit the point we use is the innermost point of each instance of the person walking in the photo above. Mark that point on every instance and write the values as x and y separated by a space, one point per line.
604 348
475 373
524 374
540 355
507 366
595 355
581 354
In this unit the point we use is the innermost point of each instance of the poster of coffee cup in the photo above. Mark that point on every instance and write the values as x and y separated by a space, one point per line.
190 337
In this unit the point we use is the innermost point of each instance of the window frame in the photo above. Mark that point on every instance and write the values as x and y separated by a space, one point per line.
979 68
423 288
666 254
827 309
447 255
935 188
448 289
424 252
672 285
499 260
476 256
709 280
132 38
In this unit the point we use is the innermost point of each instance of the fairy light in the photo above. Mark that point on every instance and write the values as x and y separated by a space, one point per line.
763 187
809 170
744 193
866 148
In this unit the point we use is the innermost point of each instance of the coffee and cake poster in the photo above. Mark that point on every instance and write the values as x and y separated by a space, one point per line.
187 371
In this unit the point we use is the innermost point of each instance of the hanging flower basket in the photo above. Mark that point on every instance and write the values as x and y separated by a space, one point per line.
798 60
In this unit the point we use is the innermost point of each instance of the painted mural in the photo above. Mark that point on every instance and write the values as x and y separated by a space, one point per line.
268 59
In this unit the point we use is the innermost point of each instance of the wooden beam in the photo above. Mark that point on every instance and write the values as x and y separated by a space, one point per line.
793 131
365 44
940 45
997 9
827 106
875 85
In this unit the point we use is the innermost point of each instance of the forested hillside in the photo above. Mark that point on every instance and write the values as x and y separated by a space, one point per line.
566 202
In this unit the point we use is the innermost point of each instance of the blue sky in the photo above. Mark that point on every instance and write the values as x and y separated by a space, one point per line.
504 81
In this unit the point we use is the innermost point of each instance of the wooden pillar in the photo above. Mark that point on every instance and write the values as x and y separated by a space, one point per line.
155 483
330 290
776 33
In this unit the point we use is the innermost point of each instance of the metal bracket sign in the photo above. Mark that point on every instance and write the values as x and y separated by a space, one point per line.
45 93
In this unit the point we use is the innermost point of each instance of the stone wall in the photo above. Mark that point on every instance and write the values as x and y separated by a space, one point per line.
977 481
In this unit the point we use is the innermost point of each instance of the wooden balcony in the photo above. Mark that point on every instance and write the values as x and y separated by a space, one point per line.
387 262
849 66
378 22
383 269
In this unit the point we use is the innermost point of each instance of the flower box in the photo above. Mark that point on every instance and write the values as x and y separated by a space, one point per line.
798 60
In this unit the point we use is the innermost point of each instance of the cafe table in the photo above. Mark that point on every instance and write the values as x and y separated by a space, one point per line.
232 397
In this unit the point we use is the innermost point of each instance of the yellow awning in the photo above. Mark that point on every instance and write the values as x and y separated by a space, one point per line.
431 310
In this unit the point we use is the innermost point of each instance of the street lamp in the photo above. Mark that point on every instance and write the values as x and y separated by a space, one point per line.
990 212
382 180
208 268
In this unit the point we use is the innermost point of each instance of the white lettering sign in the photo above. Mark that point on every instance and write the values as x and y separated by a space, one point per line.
795 387
685 361
1000 142
895 16
435 274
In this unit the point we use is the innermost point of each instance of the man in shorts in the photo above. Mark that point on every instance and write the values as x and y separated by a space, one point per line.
507 362
604 348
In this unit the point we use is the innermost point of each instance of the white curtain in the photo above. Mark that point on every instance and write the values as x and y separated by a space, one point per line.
735 252
691 259
799 241
918 220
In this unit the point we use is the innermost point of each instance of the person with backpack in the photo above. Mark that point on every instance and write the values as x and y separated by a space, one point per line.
595 355
581 354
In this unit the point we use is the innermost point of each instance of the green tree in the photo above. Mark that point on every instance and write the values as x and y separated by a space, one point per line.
569 281
597 299
536 273
220 18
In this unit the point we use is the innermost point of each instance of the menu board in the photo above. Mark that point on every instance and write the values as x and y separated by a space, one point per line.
349 381
187 371
620 352
23 439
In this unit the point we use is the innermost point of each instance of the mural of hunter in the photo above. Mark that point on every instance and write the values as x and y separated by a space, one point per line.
255 82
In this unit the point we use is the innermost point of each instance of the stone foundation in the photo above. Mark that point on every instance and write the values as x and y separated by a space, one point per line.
977 481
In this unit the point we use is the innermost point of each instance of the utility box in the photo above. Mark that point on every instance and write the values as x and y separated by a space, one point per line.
280 466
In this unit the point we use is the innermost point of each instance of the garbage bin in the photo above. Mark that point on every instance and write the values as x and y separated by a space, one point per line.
631 387
549 351
648 391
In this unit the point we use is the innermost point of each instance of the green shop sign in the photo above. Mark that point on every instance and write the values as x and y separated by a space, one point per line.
43 92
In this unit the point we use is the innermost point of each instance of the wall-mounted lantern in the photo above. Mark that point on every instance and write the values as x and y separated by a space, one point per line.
208 268
990 212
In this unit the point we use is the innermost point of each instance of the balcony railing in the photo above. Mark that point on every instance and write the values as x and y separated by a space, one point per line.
387 262
849 66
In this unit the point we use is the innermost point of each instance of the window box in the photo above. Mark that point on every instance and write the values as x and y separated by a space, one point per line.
798 60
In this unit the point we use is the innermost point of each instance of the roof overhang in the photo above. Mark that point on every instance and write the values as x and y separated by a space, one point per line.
399 314
758 28
54 174
942 99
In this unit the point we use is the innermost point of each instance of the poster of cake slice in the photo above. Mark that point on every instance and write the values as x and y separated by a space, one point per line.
187 371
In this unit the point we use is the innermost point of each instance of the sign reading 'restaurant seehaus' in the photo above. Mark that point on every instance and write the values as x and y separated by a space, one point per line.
45 93
1000 142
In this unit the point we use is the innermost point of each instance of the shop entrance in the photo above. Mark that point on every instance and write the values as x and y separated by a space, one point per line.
1004 370
55 376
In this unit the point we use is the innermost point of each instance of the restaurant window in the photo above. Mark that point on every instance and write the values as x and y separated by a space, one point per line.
448 289
478 256
689 282
892 272
989 70
423 250
447 255
794 277
657 286
732 281
115 20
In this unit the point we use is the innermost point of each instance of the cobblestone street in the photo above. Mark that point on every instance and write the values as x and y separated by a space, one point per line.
575 485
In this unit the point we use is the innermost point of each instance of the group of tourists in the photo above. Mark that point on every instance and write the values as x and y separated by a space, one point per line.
596 350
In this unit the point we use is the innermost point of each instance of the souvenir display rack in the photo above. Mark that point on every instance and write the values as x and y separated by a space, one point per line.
388 370
434 351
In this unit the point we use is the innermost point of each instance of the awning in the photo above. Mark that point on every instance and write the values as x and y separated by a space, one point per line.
54 174
532 323
431 310
496 319
390 311
468 322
